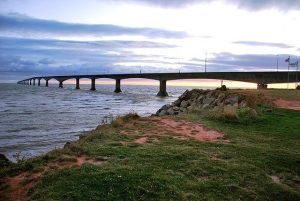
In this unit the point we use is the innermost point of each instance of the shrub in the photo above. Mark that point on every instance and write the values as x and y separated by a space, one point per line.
230 113
247 114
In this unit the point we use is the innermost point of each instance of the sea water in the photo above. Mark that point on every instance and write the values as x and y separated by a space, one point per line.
37 119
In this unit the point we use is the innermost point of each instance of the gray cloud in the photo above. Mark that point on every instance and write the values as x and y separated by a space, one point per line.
245 4
53 57
16 24
256 43
64 57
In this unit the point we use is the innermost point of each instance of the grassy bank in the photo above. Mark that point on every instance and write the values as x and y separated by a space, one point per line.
260 160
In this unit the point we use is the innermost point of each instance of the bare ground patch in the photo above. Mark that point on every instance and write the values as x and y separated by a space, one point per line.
288 104
168 126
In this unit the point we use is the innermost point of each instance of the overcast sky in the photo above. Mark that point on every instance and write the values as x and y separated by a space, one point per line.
47 37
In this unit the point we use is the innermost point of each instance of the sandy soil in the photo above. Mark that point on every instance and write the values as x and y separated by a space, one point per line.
288 104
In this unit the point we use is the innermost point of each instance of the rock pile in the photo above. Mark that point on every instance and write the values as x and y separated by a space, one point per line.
202 99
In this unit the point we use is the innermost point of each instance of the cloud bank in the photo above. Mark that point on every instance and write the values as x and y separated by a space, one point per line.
245 4
257 43
18 25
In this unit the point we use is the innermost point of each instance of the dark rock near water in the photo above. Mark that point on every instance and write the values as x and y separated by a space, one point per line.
3 160
67 144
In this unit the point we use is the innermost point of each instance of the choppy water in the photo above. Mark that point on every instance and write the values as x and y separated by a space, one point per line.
34 120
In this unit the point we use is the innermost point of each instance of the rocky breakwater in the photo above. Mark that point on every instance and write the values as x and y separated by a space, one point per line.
203 99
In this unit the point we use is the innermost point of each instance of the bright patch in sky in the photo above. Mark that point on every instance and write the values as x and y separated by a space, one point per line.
99 36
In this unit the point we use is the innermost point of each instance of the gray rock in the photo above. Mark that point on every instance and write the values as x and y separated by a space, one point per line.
175 108
205 106
232 99
243 104
220 104
208 101
158 111
177 102
183 109
170 111
166 107
210 94
67 144
189 108
194 104
184 104
162 113
200 99
3 160
184 94
221 96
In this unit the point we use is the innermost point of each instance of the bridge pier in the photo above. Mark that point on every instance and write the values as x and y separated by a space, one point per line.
118 86
33 82
30 82
39 82
60 84
47 83
77 83
262 86
93 84
162 88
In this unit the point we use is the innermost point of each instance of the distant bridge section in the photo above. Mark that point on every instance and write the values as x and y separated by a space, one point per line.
262 79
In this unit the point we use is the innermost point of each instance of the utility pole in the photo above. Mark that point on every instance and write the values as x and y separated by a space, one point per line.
205 60
277 62
297 73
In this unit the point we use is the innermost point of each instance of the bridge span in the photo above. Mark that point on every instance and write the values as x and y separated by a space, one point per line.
262 79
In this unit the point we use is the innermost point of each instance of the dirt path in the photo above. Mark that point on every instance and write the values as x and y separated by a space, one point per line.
288 104
158 126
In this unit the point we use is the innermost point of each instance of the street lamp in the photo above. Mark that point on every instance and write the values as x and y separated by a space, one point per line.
277 62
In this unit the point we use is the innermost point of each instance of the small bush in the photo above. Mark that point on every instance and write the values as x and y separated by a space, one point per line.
230 113
247 114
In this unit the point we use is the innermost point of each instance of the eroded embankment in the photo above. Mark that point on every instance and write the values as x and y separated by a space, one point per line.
146 130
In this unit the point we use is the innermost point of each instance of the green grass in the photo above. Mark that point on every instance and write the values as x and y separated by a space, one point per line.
174 169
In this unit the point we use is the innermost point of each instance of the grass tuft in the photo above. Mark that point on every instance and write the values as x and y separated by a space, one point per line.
120 120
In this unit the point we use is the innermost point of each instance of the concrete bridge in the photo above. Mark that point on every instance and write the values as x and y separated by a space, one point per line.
262 79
